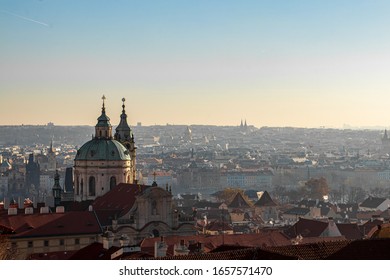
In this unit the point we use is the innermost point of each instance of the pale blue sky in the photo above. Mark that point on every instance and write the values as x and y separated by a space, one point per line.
274 63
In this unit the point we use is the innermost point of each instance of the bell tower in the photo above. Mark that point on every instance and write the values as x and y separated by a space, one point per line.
125 136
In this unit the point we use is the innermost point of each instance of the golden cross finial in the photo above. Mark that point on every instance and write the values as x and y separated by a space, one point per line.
154 176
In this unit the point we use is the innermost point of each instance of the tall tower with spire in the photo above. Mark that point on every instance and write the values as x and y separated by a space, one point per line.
125 136
51 158
101 163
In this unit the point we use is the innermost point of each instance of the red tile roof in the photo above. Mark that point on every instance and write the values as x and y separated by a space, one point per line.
371 249
306 228
210 242
121 198
94 251
51 224
310 251
350 231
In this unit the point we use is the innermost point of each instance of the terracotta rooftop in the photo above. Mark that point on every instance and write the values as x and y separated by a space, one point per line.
51 224
120 198
266 238
350 231
306 228
371 249
237 254
94 251
311 251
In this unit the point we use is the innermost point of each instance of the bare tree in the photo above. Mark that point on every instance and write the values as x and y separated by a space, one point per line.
7 251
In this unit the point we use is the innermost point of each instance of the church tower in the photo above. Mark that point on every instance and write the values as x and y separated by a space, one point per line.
101 163
126 137
57 189
51 158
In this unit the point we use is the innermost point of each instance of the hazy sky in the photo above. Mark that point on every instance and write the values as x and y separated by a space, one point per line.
275 63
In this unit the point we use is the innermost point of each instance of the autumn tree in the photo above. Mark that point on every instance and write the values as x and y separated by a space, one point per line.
228 194
316 188
7 251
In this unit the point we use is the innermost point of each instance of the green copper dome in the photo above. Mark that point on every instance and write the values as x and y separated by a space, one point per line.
102 149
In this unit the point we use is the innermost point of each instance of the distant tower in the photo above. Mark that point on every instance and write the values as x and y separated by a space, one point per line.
33 174
386 142
51 158
68 185
188 134
57 189
126 137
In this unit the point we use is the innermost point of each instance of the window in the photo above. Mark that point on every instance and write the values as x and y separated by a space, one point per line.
46 243
77 241
30 244
62 242
92 186
112 182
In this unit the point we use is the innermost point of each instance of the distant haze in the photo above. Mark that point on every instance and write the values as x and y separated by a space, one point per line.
273 63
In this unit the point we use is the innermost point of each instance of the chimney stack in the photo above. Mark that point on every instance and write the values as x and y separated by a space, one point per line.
160 248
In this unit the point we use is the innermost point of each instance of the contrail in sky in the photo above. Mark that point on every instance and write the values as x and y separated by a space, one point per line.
26 18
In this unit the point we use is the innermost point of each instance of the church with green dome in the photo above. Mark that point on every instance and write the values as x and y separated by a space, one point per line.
105 161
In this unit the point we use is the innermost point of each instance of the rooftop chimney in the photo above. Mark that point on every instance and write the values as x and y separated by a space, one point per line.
160 248
108 239
44 210
12 211
181 249
124 240
60 209
28 210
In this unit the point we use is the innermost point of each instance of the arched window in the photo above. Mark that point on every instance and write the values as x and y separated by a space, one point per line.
112 182
155 233
82 186
92 186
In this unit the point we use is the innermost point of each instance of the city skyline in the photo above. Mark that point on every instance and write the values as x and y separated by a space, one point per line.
284 63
